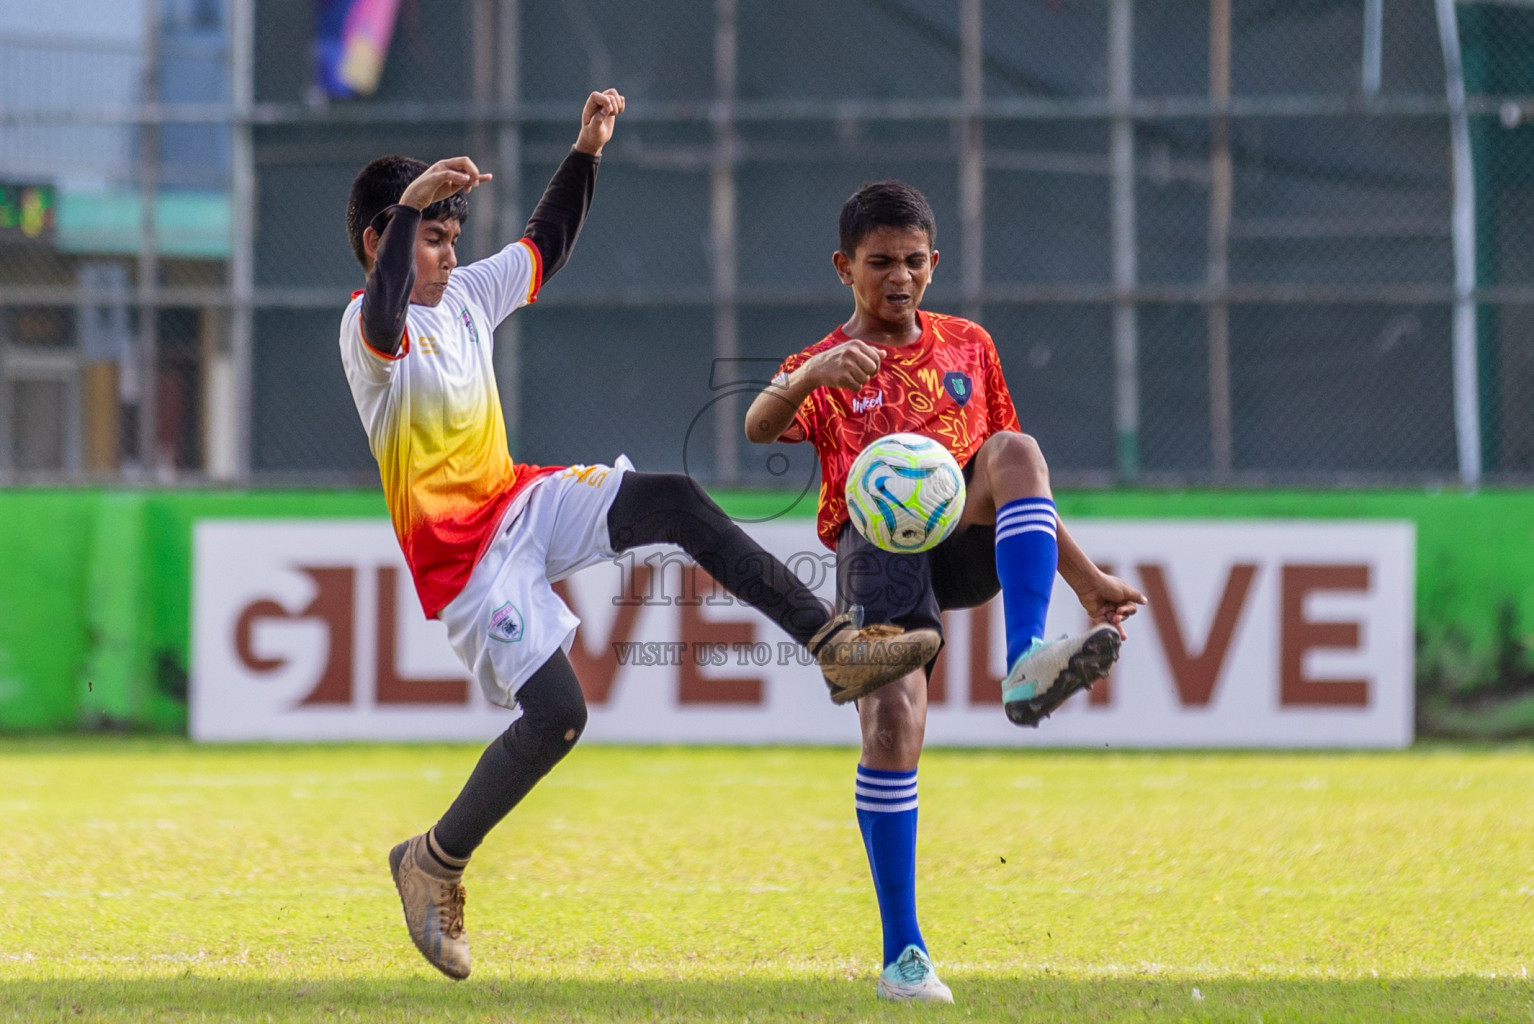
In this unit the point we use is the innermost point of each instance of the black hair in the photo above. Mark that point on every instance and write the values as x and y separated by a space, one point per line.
379 186
884 204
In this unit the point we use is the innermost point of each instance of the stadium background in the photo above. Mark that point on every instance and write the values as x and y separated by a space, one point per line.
1250 259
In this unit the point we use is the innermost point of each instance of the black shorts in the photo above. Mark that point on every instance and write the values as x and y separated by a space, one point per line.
912 590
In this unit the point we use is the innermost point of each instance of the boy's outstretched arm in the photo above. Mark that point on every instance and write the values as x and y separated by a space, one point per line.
848 365
1106 598
557 219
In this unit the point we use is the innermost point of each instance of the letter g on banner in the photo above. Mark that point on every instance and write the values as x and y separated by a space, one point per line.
333 604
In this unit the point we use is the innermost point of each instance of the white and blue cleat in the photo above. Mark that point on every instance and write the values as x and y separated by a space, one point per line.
1048 674
912 978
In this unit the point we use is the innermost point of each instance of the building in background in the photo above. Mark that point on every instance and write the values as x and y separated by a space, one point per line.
1215 242
105 379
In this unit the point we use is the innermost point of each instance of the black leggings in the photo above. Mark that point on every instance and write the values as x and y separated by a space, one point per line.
553 717
650 508
669 508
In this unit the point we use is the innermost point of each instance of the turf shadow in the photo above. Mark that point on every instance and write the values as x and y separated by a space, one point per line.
208 998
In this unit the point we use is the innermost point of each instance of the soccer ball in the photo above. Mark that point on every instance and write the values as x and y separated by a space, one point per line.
905 493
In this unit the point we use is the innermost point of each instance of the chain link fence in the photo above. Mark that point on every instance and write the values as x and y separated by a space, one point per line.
1227 242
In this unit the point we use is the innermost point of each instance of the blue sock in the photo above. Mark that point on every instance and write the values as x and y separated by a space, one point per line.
886 803
1026 558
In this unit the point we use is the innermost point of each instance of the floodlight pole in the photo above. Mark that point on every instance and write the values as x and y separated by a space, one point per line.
1126 340
1467 398
508 209
723 240
1221 194
149 248
971 158
1374 31
485 229
227 416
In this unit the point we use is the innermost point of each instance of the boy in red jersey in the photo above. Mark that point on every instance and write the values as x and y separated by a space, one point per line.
485 538
894 368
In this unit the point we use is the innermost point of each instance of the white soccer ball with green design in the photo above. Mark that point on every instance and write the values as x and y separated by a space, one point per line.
905 493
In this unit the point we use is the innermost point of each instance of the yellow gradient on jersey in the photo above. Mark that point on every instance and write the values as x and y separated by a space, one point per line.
446 474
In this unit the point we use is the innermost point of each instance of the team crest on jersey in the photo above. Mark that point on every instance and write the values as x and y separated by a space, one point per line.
468 323
506 624
959 386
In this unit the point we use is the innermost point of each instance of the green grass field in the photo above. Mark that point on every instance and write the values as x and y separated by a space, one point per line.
155 880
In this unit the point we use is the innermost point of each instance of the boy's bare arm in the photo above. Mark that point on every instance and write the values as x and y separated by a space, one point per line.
1106 598
848 365
441 180
597 121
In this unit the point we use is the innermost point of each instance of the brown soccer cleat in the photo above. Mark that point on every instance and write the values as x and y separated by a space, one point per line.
433 897
856 662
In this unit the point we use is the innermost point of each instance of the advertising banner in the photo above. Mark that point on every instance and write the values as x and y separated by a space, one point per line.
1258 633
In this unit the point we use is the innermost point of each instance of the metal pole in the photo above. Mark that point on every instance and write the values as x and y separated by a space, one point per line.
1221 189
1126 339
508 218
1467 398
971 157
149 250
230 379
727 427
484 228
101 324
1374 27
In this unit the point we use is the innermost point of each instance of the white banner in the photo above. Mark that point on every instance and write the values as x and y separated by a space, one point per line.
1269 634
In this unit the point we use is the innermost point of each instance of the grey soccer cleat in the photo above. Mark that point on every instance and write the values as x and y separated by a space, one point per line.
1049 674
912 978
856 661
433 897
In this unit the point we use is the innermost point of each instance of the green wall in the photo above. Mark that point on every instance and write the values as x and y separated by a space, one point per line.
95 610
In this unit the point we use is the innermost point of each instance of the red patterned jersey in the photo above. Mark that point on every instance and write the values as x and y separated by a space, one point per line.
946 385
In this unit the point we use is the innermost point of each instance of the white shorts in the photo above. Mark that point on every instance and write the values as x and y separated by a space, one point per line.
507 621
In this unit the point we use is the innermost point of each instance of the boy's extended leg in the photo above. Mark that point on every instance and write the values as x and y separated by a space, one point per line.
1012 479
668 508
428 868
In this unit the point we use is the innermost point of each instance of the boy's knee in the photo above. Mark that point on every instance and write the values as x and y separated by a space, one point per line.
895 744
549 736
573 723
897 728
553 717
1015 451
561 724
1012 444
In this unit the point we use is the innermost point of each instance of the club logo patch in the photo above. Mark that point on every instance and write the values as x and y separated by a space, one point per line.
506 624
468 323
958 386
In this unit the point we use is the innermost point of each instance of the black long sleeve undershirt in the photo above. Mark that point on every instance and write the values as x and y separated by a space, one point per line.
386 295
553 228
557 219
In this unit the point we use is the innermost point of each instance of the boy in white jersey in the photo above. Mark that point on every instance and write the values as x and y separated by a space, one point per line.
485 538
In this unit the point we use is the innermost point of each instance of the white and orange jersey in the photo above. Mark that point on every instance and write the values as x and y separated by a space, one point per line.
433 418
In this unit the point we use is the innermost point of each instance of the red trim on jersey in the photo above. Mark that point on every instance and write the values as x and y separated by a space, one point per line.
946 385
537 282
404 348
437 552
